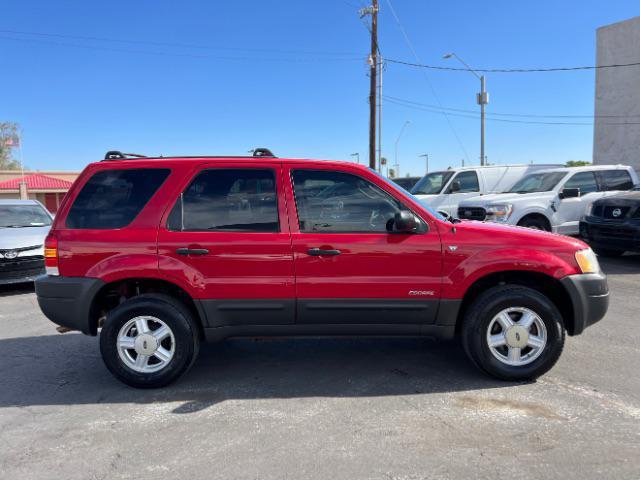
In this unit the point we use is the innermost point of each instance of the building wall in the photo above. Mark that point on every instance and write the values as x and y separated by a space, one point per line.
51 200
618 93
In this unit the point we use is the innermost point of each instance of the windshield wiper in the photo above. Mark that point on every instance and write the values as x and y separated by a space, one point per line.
14 226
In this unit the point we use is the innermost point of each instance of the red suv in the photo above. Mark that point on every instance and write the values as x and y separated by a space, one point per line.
160 253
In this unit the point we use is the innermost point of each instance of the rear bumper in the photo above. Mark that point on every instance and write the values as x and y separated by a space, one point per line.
66 301
590 299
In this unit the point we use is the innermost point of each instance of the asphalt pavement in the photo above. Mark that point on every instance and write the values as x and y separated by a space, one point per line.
364 408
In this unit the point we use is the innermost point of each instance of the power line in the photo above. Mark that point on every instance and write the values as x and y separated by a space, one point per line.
521 115
426 78
513 70
503 120
158 44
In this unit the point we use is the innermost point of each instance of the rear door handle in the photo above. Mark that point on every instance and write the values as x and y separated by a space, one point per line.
191 251
317 252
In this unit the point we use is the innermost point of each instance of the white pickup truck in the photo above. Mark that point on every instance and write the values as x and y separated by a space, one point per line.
552 200
444 190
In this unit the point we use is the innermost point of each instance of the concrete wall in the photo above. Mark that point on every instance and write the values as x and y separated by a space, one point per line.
618 93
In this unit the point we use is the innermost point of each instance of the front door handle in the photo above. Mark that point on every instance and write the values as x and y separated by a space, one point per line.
191 251
318 252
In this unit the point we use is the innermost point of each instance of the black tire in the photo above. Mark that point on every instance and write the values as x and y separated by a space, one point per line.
170 311
605 252
478 317
536 223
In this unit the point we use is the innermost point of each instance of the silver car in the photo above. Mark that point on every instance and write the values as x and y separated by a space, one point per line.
24 224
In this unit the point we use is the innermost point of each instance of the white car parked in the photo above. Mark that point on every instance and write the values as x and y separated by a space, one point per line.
444 190
553 200
24 224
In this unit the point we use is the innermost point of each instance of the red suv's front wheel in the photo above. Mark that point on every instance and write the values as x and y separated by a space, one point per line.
513 332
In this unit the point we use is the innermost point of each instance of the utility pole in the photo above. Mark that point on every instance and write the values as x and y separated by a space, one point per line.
373 71
426 157
380 114
483 99
357 155
397 165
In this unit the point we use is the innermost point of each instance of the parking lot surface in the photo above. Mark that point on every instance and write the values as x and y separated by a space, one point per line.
321 408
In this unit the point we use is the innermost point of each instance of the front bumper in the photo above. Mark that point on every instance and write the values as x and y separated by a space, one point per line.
611 235
589 294
67 300
20 269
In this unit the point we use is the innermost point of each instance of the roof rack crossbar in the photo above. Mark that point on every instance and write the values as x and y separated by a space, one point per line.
118 155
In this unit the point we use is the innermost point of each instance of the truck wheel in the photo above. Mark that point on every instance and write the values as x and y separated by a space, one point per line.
534 222
513 333
149 341
605 252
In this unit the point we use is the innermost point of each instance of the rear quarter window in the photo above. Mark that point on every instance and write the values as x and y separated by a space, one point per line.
113 198
615 180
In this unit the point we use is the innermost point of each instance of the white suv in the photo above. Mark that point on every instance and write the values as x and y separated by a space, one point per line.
552 200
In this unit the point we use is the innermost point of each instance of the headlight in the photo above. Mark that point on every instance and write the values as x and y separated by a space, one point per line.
499 213
587 261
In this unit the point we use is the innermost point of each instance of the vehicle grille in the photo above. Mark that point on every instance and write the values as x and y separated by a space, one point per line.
597 211
472 213
21 267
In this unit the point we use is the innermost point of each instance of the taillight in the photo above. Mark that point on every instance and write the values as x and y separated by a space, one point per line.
51 254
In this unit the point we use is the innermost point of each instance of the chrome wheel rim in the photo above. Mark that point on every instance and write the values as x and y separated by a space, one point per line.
146 344
516 336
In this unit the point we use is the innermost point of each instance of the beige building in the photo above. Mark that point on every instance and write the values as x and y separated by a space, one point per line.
48 187
616 136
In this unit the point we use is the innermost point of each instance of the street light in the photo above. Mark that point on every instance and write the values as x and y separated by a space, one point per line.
397 165
426 157
482 98
357 155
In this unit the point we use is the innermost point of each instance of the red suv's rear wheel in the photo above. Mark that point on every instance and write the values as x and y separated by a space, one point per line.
149 341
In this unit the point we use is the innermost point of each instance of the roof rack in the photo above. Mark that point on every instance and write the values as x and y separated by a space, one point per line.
262 152
117 155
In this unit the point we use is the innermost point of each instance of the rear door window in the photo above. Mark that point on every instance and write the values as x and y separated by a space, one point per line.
615 180
585 181
228 200
113 198
468 182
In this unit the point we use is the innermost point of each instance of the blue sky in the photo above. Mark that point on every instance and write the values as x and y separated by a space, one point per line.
214 77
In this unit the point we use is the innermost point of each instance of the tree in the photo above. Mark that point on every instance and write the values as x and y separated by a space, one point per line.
8 135
577 163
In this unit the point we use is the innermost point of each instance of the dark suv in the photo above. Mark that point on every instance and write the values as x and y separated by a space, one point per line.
157 254
612 224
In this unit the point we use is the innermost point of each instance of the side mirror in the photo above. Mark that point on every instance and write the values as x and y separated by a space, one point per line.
455 187
405 222
569 193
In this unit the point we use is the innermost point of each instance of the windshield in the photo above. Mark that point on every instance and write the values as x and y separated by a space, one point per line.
537 182
431 183
409 194
19 216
